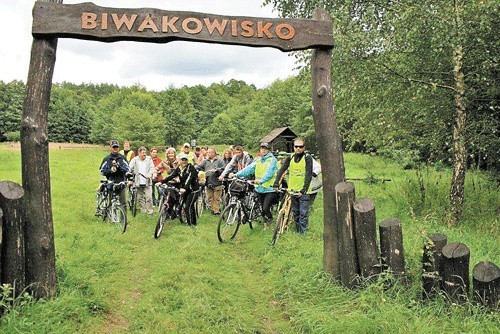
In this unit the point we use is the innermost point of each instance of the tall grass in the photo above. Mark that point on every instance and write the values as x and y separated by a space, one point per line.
187 282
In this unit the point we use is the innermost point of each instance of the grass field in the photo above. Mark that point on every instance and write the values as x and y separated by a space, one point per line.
187 282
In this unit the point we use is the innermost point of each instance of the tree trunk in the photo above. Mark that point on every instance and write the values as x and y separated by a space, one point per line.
330 148
39 230
13 259
459 149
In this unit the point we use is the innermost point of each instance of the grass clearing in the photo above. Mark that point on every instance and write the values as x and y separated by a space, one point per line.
187 282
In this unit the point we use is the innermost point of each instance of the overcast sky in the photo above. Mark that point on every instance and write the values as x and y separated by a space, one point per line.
155 66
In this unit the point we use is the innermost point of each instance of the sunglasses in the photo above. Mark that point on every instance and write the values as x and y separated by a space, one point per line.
299 146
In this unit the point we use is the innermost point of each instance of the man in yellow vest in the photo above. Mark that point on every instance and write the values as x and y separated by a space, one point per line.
300 173
264 168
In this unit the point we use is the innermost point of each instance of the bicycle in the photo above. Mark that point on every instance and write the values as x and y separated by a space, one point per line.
170 205
108 204
132 199
237 211
284 219
132 194
201 201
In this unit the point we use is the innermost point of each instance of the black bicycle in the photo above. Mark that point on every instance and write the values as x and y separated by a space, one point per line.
108 204
243 207
170 207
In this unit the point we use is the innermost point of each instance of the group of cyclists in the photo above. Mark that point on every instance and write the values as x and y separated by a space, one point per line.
190 170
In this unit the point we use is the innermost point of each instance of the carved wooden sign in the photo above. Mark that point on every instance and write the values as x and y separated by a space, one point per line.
91 22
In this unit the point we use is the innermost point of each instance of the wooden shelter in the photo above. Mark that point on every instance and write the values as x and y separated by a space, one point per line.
280 139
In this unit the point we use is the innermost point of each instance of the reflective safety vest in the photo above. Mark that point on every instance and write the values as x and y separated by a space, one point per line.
297 174
130 154
261 168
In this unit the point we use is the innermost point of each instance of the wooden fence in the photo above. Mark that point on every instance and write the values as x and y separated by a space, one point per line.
445 267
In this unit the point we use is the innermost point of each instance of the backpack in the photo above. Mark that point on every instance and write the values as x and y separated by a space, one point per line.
316 182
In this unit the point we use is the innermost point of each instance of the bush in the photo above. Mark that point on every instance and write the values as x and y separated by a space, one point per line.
13 136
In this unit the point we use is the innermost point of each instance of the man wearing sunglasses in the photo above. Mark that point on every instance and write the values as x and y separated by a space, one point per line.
300 173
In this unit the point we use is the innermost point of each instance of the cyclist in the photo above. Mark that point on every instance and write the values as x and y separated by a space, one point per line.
157 175
264 168
240 160
127 151
186 149
188 183
212 166
115 167
142 167
300 173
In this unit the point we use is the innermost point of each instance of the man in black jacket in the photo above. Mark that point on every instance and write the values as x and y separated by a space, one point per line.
115 167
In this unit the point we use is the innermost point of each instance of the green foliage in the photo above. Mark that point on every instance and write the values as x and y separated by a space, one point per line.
13 136
70 115
11 107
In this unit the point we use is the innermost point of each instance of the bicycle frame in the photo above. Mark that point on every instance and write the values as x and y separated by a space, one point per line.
284 218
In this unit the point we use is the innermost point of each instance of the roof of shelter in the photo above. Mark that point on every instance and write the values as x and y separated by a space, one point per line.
285 132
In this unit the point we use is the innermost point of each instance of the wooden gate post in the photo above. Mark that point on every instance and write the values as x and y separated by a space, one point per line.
12 245
365 227
39 236
329 145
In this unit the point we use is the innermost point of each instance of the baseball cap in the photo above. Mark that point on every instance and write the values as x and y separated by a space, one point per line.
266 145
186 145
183 156
114 143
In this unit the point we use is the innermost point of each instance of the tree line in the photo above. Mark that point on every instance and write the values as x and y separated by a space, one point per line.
414 81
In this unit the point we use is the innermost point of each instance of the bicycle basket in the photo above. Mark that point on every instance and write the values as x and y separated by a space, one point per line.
238 187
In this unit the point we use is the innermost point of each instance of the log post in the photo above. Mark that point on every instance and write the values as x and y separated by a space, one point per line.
432 264
329 145
391 246
456 271
486 284
39 236
13 257
349 266
1 241
365 227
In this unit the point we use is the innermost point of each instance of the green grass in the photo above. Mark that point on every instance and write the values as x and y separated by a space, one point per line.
187 282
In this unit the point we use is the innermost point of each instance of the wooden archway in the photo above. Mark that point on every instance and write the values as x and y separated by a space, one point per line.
53 20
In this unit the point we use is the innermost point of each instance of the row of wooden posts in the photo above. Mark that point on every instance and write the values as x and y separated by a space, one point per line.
445 266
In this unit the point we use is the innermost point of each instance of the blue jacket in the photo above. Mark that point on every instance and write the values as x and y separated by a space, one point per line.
268 175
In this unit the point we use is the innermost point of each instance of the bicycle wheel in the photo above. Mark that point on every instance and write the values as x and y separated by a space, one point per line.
255 211
200 205
100 204
118 217
229 223
277 229
161 222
